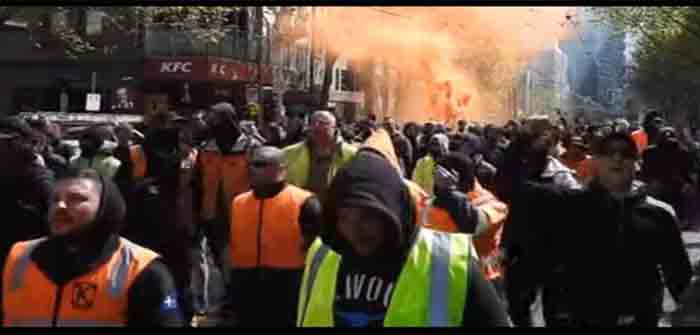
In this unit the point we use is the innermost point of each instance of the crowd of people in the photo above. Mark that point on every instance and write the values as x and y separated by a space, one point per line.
228 218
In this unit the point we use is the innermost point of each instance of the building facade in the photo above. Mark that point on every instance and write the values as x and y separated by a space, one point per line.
157 69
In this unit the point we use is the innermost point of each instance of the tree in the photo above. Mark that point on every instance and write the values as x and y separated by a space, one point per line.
208 23
667 55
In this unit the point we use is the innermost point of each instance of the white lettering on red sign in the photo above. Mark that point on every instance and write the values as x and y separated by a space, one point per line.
219 69
172 67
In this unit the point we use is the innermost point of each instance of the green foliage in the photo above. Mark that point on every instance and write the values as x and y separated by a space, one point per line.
209 23
667 52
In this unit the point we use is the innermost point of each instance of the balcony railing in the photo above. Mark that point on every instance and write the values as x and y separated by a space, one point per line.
237 45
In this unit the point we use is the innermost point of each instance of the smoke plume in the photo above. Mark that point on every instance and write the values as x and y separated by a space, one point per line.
476 51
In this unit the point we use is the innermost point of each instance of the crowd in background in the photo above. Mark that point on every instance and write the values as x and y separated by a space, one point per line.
181 181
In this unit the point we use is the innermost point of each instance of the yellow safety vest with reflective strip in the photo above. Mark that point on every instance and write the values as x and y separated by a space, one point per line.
430 292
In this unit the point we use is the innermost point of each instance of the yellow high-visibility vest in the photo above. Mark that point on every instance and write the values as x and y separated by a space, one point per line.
430 291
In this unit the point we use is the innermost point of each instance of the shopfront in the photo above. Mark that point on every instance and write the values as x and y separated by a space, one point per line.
64 87
191 83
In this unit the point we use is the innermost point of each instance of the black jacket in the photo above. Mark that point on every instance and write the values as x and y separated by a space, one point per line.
606 256
24 198
369 181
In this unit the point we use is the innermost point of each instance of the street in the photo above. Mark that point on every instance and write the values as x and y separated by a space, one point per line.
692 242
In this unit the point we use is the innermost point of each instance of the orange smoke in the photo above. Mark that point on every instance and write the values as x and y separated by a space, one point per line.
477 50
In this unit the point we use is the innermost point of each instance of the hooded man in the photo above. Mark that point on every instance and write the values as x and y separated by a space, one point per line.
224 164
458 197
162 180
374 266
438 147
271 228
84 273
96 147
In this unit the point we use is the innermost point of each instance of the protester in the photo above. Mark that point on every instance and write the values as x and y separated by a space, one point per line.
456 174
667 170
369 222
313 163
438 147
162 180
572 270
97 145
25 183
224 166
576 159
271 227
402 146
84 273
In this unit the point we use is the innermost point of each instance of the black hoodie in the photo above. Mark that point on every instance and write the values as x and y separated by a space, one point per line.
94 246
365 284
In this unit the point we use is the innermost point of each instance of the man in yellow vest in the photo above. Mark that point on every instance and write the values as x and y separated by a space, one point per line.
425 167
313 163
271 228
373 266
84 273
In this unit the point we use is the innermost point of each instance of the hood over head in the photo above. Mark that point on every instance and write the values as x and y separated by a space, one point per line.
66 257
109 217
370 181
442 140
380 142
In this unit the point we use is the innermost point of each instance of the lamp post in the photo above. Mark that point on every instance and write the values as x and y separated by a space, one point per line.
259 36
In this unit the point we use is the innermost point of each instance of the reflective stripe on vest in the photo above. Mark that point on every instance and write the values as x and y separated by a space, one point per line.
118 276
430 291
103 301
23 263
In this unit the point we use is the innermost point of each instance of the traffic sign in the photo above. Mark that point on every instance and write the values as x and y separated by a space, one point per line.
92 102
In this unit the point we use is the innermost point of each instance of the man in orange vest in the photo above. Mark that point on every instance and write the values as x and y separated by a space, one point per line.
455 174
224 166
271 227
650 129
84 273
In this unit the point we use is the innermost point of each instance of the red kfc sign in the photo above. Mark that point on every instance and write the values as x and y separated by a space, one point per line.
224 69
204 69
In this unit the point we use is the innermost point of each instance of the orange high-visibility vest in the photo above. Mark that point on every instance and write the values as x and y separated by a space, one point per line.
641 139
226 172
98 298
487 243
138 161
266 232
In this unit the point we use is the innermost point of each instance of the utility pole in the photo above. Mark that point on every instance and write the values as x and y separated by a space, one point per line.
312 46
259 37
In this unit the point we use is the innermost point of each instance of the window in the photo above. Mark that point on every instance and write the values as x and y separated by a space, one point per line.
93 22
58 22
347 82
